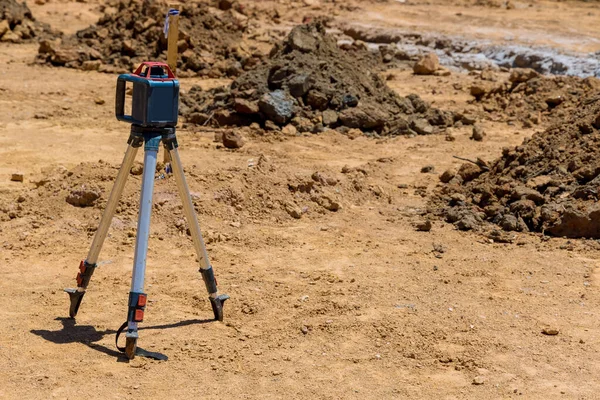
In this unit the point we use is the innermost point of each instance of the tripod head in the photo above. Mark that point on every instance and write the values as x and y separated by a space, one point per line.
155 99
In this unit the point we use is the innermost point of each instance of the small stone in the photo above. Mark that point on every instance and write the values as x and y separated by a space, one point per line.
519 75
293 210
278 106
304 330
4 27
427 65
330 117
550 331
478 133
427 169
450 138
448 175
17 177
244 106
99 101
289 130
137 169
424 226
232 140
478 380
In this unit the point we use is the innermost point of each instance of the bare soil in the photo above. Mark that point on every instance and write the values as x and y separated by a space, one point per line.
349 302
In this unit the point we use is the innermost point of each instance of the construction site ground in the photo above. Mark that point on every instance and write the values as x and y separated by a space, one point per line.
351 304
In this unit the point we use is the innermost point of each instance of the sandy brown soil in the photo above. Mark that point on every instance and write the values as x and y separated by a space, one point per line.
353 304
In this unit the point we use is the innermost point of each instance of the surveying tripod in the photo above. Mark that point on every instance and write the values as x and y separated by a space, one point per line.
150 137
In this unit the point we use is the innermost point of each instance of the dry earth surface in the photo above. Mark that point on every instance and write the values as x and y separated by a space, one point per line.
351 304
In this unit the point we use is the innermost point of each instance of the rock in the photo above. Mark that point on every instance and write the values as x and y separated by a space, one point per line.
427 65
554 100
244 106
550 331
427 169
480 89
299 84
11 37
17 177
478 133
329 117
509 223
278 106
302 41
137 169
448 175
63 56
197 118
467 223
478 380
424 226
232 140
326 202
364 118
289 130
4 27
519 75
91 65
100 101
225 4
304 330
83 197
271 126
293 210
421 126
317 100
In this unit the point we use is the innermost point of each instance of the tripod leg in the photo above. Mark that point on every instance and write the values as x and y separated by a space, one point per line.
206 269
137 297
87 266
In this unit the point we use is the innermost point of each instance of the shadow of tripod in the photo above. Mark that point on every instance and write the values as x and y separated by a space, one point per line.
88 335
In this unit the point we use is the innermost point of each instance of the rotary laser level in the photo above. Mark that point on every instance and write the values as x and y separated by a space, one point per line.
155 103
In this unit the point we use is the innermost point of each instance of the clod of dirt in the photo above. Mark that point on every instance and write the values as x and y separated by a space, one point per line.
17 177
427 65
478 133
232 140
310 83
550 331
17 24
210 40
548 184
83 197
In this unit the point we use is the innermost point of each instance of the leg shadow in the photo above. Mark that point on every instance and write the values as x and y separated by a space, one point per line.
88 335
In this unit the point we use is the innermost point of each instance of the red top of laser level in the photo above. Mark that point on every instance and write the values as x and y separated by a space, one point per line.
145 69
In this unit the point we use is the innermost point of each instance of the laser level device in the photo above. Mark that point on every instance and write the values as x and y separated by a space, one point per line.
155 106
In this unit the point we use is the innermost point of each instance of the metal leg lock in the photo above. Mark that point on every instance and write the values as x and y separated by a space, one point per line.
84 275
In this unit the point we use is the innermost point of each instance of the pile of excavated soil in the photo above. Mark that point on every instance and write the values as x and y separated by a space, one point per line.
17 24
548 184
529 98
266 189
130 31
308 84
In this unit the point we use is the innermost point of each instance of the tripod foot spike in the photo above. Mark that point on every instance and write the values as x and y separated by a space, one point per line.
130 347
75 296
217 305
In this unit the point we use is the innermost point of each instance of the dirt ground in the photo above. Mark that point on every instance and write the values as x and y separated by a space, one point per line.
352 304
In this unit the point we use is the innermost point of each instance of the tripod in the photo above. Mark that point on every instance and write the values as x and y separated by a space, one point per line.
150 137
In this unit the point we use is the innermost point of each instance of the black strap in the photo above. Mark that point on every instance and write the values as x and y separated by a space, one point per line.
139 351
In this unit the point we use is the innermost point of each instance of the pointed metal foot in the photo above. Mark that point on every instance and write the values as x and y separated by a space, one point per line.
75 296
130 347
217 305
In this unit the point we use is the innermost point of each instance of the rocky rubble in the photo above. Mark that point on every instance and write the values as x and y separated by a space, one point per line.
529 98
309 84
130 31
548 184
17 24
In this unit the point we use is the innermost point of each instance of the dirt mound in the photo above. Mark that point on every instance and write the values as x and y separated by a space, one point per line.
548 184
131 31
529 98
310 83
17 24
